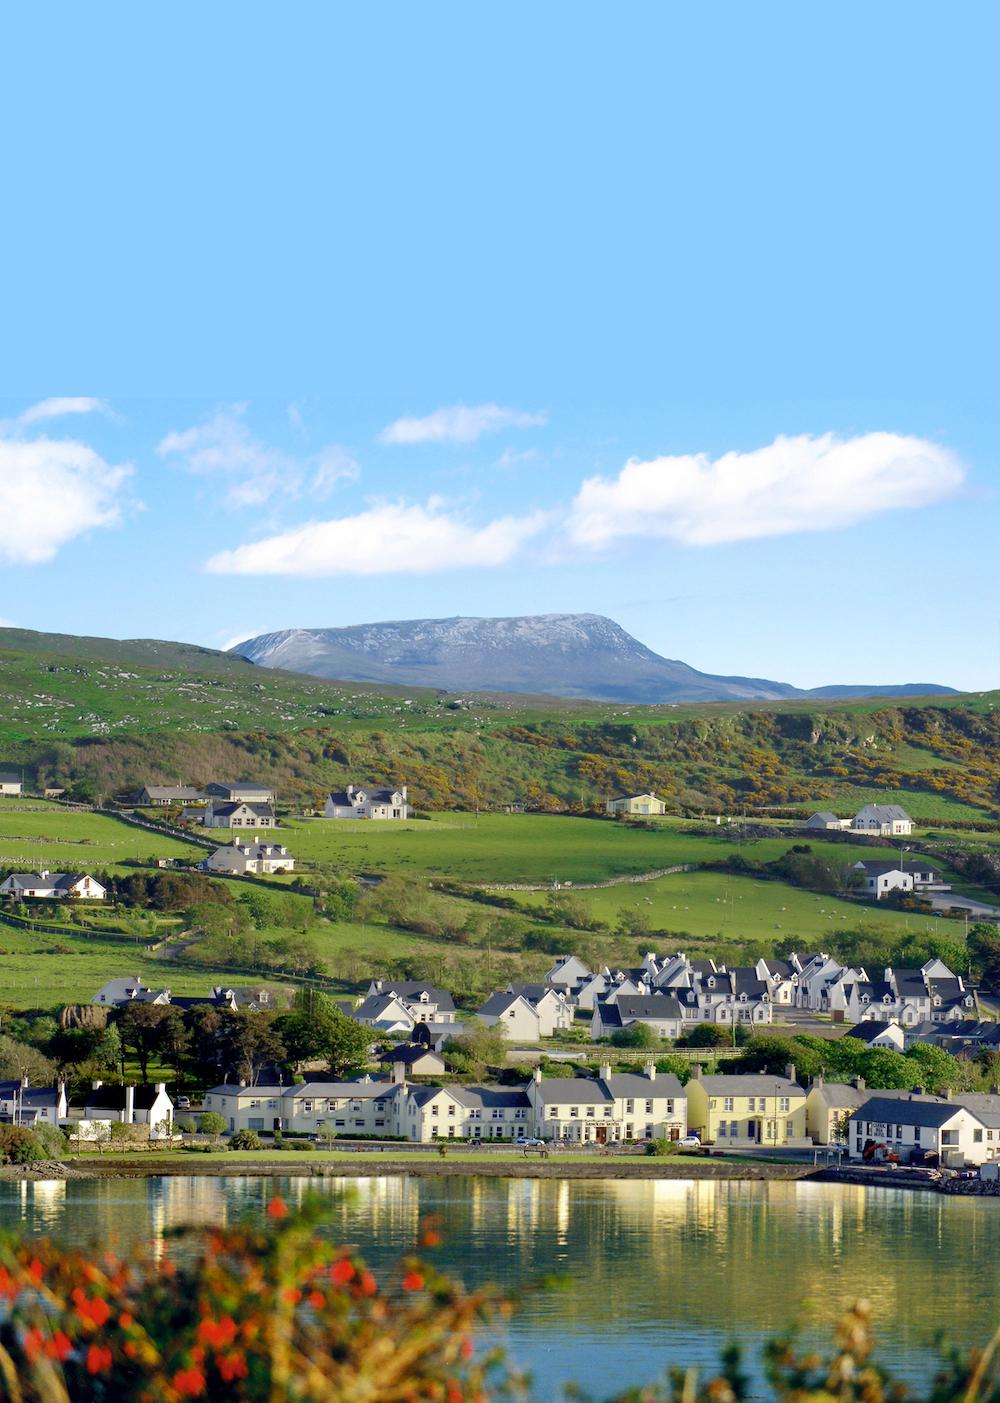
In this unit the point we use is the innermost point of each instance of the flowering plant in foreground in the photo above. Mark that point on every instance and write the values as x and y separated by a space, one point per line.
269 1310
274 1311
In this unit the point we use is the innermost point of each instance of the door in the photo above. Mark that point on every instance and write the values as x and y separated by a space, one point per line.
753 1129
602 1134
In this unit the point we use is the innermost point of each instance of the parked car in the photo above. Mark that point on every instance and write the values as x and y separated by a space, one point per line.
184 1103
528 1140
690 1142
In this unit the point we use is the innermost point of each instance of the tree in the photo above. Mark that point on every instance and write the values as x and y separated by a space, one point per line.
18 1060
315 1027
707 1035
638 1035
140 1027
250 1041
984 952
481 1046
934 1069
213 1125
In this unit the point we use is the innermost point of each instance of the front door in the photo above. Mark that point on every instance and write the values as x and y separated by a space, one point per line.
753 1129
602 1134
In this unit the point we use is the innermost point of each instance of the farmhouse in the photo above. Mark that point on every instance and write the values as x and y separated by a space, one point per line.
636 806
887 820
352 803
243 858
52 886
238 815
10 784
129 1105
162 796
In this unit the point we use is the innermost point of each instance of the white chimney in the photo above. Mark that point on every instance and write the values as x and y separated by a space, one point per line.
129 1116
605 1071
399 1073
537 1074
96 1085
649 1070
403 791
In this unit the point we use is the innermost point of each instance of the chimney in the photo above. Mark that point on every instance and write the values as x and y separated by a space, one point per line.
350 790
403 792
696 1071
129 1116
24 1083
398 1073
790 1071
537 1074
96 1085
858 1083
649 1070
605 1071
160 1087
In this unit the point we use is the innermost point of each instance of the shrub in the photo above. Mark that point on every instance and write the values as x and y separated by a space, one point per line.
299 1145
244 1140
18 1145
50 1139
661 1147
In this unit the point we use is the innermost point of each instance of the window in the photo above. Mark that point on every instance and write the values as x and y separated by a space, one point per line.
255 1123
434 1110
629 1107
670 1108
649 1108
591 1111
784 1104
977 1137
574 1110
723 1129
789 1127
949 1137
340 1122
727 1103
380 1122
497 1114
451 1110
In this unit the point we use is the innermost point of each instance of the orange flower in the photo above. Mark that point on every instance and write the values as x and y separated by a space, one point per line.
467 1348
189 1382
98 1359
232 1366
292 1295
317 1300
413 1281
36 1271
342 1272
431 1238
277 1208
217 1333
367 1284
455 1394
126 1320
58 1347
33 1342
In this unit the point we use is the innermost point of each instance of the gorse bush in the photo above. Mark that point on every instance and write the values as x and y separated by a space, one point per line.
275 1311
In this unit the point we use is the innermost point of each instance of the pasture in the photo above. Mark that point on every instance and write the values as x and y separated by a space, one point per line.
34 835
733 908
497 848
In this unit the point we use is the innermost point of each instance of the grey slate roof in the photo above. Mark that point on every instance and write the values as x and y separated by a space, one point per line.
498 1004
907 1110
882 813
488 1097
869 1030
645 1006
750 1084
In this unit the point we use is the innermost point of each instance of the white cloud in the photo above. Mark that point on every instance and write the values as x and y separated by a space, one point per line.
62 404
53 491
459 424
795 484
388 538
224 446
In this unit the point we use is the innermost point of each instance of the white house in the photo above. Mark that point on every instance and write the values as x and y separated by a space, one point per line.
567 972
243 857
554 1009
129 1105
636 806
424 1002
373 803
513 1015
659 1012
53 886
874 1033
10 784
915 1126
879 879
21 1104
237 815
887 820
608 1108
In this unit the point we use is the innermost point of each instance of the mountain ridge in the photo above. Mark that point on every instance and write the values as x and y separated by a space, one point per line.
566 655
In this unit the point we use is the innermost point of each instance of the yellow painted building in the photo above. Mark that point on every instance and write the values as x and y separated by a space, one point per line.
752 1109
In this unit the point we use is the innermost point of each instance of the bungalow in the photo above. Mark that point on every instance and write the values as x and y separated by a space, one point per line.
636 806
161 796
10 784
241 792
826 822
129 1105
21 1104
609 1107
913 1127
747 1109
879 879
829 1106
53 886
376 803
659 1012
238 815
243 858
887 820
416 1059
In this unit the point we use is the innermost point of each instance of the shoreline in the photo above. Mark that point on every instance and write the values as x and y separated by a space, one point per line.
423 1166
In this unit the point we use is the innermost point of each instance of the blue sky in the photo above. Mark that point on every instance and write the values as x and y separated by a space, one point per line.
750 248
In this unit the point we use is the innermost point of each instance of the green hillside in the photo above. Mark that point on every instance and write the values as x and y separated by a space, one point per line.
115 714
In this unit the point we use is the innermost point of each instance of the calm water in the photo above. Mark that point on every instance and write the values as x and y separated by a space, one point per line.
662 1271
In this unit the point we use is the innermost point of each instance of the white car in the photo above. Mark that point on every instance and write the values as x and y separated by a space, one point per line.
690 1142
528 1140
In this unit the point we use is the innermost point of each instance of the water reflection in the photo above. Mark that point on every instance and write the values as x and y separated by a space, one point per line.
659 1271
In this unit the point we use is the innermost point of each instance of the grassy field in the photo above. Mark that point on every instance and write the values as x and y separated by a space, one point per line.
529 847
732 908
35 835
